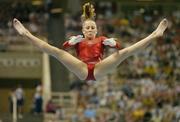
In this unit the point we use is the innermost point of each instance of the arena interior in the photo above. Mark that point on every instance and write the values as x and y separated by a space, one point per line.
144 88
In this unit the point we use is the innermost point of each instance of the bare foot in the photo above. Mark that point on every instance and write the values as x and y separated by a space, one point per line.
19 27
161 28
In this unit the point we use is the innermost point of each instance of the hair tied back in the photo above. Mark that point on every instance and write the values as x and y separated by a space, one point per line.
88 12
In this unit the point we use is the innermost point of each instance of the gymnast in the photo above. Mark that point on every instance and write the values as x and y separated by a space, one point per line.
89 63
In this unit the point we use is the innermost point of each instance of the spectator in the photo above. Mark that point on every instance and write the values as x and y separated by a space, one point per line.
20 100
38 101
90 113
50 107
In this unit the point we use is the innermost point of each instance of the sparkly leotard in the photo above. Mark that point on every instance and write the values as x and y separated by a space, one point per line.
90 52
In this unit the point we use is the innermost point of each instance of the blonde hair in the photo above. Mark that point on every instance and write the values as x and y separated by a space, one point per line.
88 12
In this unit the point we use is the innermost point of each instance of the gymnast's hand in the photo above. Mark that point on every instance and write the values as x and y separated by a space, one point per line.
75 39
110 42
19 27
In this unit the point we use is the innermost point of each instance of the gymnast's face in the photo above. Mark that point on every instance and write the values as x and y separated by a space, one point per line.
89 29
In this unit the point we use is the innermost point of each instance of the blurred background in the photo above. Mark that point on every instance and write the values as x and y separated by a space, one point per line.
35 87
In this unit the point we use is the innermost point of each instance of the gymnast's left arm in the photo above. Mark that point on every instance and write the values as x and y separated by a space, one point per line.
112 42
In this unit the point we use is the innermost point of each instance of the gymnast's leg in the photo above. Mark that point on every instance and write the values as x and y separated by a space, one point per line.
111 62
76 66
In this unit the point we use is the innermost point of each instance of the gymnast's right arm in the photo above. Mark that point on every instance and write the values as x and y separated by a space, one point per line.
40 44
73 41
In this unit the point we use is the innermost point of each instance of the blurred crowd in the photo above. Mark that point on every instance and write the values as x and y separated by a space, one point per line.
145 87
33 17
160 60
17 100
137 100
149 87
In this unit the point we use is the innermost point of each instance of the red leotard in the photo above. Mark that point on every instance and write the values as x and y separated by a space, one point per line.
90 52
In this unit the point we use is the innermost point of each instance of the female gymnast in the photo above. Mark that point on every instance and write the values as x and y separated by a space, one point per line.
89 65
